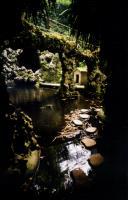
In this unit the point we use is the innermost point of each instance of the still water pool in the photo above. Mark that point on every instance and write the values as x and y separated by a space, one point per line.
45 108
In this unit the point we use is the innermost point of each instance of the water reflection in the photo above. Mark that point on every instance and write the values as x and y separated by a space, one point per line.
45 108
25 95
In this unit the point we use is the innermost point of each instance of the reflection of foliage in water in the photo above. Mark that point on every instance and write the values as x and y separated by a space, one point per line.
49 176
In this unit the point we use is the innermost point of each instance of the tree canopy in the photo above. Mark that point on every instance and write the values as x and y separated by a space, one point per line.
12 12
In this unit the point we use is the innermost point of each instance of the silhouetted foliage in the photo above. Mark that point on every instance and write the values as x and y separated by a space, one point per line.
106 21
12 12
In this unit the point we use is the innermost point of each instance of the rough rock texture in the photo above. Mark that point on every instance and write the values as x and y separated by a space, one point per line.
17 146
50 70
14 73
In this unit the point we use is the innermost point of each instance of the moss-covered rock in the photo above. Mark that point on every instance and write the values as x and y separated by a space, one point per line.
16 74
97 82
18 145
51 70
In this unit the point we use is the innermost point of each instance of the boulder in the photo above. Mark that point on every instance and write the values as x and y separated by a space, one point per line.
96 160
88 142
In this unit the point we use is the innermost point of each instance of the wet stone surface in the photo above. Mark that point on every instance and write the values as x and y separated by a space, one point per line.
88 142
77 122
79 177
58 173
84 116
91 129
96 160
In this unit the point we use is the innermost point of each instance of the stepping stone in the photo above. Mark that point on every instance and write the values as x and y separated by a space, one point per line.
98 109
84 116
77 122
32 162
73 134
91 129
96 160
79 177
84 110
88 142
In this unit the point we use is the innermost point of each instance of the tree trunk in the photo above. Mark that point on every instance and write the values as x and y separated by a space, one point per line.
63 87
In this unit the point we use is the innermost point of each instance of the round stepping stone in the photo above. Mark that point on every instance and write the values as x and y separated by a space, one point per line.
98 109
84 116
84 110
72 135
88 142
79 177
77 122
91 129
96 160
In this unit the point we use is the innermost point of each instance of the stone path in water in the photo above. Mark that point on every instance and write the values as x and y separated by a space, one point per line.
73 153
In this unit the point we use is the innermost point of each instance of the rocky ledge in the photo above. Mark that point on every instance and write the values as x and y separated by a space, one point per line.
19 150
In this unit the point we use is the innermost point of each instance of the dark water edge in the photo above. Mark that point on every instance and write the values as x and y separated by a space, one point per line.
46 109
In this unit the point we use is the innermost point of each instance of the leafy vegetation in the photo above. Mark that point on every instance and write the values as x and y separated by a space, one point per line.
59 17
64 2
